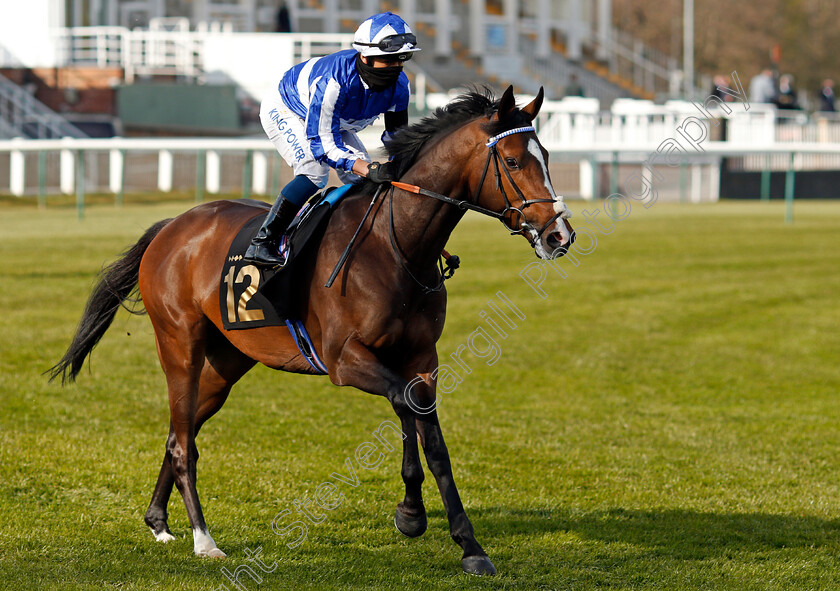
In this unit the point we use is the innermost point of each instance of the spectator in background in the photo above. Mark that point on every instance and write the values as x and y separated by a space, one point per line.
573 88
718 83
763 87
284 22
827 96
786 99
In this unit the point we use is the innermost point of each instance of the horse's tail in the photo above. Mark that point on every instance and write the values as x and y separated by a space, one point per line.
116 283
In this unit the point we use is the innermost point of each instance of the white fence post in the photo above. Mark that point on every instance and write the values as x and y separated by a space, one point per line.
647 181
714 180
17 171
477 32
696 182
67 180
115 171
259 180
587 178
214 170
165 170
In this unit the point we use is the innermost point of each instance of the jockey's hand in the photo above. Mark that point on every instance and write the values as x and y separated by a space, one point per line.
380 173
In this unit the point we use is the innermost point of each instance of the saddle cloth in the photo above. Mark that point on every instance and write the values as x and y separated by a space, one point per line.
253 296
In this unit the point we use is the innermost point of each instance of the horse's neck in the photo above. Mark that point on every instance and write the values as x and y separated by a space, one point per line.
422 225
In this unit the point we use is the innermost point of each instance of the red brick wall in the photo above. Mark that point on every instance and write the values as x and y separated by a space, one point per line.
71 90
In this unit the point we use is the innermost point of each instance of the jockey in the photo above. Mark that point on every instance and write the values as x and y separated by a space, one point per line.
313 116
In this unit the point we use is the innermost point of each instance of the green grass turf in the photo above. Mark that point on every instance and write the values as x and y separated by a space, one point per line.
666 418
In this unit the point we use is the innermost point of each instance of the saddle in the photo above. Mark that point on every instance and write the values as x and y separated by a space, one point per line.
252 296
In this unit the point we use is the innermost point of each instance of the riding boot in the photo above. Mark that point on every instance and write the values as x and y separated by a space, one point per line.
264 245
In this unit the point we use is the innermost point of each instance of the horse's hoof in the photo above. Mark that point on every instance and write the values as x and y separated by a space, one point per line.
478 565
163 536
411 527
213 553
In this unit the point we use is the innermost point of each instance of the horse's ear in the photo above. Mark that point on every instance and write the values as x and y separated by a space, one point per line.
506 105
532 108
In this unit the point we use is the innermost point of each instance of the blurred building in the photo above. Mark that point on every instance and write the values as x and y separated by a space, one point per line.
79 57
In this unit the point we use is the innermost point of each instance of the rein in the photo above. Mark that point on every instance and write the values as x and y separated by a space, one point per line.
401 256
462 204
350 244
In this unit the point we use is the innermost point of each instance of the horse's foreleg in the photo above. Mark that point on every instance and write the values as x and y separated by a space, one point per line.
410 516
358 366
474 560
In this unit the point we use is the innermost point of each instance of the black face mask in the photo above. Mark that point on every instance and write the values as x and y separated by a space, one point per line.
378 79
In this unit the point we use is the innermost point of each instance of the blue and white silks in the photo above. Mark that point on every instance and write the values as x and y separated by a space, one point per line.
330 96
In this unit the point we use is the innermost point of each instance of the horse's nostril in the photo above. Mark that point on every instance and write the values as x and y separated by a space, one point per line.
555 240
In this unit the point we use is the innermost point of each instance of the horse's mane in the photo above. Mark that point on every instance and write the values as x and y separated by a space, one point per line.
407 144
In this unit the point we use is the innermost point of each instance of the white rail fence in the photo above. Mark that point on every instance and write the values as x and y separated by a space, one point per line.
38 167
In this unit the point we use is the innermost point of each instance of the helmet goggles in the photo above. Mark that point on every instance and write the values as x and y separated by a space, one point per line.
393 43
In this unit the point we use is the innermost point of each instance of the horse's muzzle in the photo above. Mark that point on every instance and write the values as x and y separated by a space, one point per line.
557 244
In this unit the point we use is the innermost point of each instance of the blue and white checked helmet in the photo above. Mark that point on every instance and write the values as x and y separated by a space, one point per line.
385 34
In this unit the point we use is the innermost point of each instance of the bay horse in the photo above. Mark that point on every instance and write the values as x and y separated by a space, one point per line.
376 329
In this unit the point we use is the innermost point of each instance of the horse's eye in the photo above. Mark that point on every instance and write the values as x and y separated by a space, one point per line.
511 162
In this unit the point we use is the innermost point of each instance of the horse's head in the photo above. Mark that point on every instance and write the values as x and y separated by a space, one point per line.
513 178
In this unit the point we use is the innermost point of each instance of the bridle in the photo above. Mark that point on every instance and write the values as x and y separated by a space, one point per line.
493 154
494 157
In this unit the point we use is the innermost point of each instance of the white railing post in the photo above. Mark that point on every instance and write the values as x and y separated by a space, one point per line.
543 29
127 57
420 91
647 181
101 48
587 177
165 170
17 171
371 7
604 29
511 8
214 171
67 177
575 32
696 182
115 171
259 180
331 16
714 180
408 11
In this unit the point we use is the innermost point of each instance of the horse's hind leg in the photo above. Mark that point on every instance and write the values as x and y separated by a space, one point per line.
156 515
181 348
224 365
